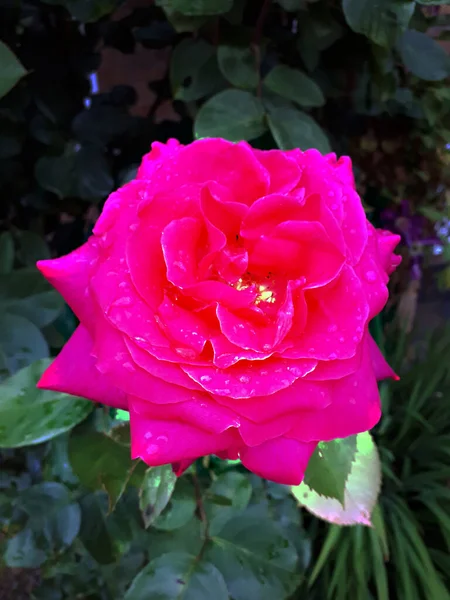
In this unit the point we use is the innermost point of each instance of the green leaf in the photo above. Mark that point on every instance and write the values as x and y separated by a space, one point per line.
6 252
361 490
292 128
381 21
22 551
53 524
94 532
229 493
178 576
233 114
21 343
329 467
32 416
179 509
180 22
433 2
86 11
423 56
194 72
80 172
26 293
32 247
292 5
57 466
156 490
238 66
101 463
11 69
255 558
294 85
202 7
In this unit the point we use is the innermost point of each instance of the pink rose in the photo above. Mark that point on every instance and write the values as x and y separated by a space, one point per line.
224 300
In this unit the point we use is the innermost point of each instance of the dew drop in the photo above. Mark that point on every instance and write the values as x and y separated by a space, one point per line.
370 276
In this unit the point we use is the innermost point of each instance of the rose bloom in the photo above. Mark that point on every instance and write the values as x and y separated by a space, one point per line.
224 301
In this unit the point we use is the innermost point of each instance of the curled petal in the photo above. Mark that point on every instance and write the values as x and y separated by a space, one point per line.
387 242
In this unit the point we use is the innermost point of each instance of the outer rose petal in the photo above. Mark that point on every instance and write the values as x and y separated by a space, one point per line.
201 412
355 406
281 460
74 372
381 368
232 165
162 442
284 171
70 276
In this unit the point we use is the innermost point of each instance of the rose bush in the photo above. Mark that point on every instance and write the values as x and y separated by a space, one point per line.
224 301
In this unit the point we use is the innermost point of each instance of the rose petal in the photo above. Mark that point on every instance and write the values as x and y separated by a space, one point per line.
250 379
181 241
74 372
211 159
301 396
115 360
162 442
70 276
284 171
281 460
337 315
201 412
355 406
242 332
381 368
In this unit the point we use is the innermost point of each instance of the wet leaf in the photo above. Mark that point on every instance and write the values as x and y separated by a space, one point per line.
361 490
294 85
156 490
423 56
176 576
330 466
233 114
255 558
101 463
292 128
32 416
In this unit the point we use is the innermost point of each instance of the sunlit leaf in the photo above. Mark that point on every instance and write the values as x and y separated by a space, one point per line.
361 490
156 489
330 466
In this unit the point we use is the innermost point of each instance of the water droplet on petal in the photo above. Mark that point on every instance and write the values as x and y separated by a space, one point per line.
332 328
370 276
